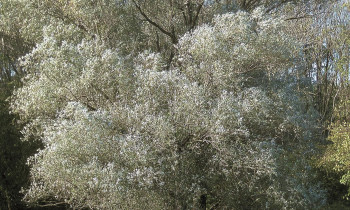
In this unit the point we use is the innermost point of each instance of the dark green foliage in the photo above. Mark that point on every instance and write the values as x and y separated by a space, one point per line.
14 172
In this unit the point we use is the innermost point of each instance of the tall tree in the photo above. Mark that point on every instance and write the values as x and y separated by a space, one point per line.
334 160
221 126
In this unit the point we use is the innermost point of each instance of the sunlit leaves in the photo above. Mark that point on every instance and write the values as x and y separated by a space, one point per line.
222 122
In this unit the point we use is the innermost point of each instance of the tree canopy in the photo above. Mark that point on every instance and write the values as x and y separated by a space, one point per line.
179 104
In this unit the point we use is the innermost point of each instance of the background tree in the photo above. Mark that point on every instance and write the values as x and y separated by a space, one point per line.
14 173
19 31
334 160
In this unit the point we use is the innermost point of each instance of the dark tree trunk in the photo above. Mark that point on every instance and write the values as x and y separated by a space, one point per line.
203 202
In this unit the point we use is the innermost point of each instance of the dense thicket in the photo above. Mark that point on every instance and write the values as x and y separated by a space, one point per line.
178 104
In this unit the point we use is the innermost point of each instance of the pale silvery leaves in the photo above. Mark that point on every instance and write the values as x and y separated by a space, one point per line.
84 161
112 21
236 44
19 20
61 72
133 135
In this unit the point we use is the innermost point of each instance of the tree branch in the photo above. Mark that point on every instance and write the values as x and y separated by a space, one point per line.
195 20
52 204
298 17
154 23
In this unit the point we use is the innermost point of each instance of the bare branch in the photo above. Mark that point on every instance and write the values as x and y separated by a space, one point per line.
199 8
299 17
171 35
51 204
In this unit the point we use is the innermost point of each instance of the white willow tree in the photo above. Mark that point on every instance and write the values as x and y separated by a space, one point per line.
224 127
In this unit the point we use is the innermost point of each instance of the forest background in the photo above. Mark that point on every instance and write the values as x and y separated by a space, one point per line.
174 104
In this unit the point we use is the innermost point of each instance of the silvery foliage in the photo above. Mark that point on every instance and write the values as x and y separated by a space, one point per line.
222 122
